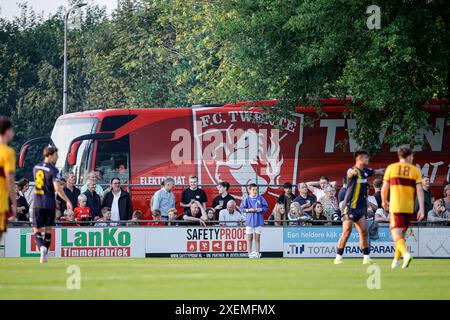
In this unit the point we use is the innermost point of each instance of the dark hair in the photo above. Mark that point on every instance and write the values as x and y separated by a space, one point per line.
22 183
193 176
5 124
360 153
287 185
113 180
324 178
63 180
224 184
252 185
377 183
425 176
137 214
49 151
404 151
156 212
105 209
344 180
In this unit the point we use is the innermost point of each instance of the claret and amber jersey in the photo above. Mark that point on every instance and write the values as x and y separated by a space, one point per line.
402 178
7 166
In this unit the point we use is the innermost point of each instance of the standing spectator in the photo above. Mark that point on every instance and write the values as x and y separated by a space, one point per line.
68 219
23 207
318 212
294 214
377 184
163 199
279 214
446 198
343 190
230 216
192 194
119 201
329 202
220 202
439 214
93 176
427 197
287 197
93 200
105 220
82 212
317 187
305 200
71 192
372 205
195 215
254 206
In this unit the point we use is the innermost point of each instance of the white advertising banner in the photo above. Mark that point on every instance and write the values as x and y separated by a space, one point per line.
195 242
434 242
320 242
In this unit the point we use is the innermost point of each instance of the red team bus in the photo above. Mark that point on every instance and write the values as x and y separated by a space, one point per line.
223 143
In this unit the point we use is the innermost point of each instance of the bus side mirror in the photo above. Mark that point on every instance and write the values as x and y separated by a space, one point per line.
23 152
72 158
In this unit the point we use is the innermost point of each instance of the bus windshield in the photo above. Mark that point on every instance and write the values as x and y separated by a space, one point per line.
66 130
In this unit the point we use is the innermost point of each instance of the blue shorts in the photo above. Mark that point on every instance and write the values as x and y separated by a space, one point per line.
43 218
353 214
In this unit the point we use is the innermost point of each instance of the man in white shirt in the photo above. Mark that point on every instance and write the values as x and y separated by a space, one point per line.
229 216
322 183
115 213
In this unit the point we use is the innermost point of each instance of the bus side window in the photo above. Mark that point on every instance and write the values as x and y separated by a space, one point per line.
113 159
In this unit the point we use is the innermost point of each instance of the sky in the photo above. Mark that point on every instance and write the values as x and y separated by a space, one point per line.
9 8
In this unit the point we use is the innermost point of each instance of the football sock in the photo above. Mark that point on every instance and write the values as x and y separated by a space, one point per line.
398 254
366 251
39 239
340 251
48 240
401 245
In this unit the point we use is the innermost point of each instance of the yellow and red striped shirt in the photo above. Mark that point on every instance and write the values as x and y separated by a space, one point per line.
402 178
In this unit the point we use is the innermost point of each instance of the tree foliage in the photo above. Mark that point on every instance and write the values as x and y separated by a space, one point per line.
174 53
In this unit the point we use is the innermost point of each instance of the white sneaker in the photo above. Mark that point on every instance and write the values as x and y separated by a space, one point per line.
252 255
338 260
407 258
367 260
43 255
395 264
258 255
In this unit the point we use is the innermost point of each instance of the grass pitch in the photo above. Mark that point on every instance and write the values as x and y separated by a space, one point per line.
165 278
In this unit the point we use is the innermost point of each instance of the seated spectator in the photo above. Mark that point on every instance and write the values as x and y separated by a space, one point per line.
82 212
317 214
305 200
318 187
192 194
23 208
439 214
381 215
93 200
135 217
211 216
68 219
278 214
119 201
156 219
220 202
195 215
294 213
105 220
329 202
287 197
230 216
173 213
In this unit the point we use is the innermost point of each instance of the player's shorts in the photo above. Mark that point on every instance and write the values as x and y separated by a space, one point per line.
252 230
43 218
353 214
400 220
3 221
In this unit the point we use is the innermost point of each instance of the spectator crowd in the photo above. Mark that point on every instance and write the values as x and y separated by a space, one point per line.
309 203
